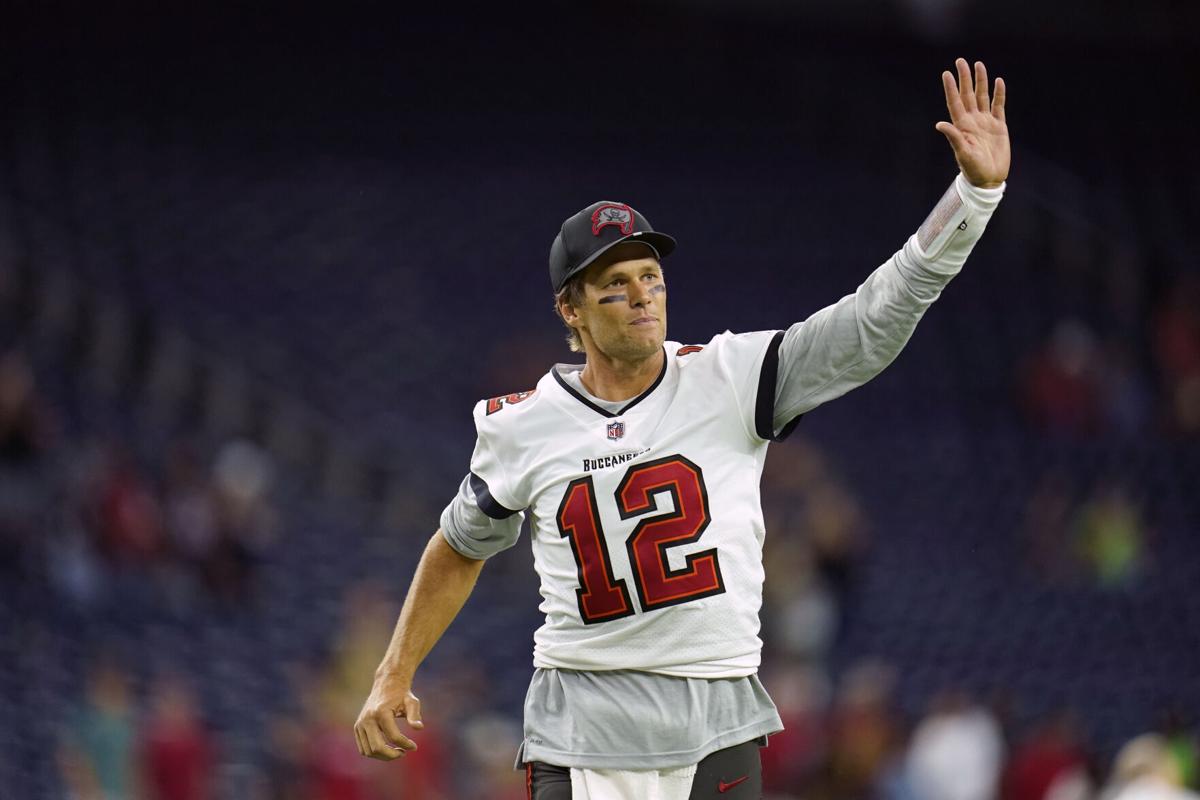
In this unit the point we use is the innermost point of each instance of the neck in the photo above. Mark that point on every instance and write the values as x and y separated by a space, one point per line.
610 379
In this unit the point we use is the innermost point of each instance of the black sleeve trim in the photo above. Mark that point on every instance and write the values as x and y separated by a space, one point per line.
788 428
764 404
485 501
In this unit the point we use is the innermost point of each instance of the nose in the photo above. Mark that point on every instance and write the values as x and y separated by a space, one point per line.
639 294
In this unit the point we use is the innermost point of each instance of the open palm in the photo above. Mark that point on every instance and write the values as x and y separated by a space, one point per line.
977 131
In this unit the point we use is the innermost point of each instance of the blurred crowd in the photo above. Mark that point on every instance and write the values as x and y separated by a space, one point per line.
195 529
1123 356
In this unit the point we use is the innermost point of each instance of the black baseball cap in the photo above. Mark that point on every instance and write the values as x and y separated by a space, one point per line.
587 235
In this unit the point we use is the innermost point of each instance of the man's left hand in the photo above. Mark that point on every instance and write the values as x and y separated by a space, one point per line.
976 130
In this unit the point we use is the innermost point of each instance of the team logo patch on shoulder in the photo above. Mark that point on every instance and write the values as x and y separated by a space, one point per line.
689 348
617 214
615 430
498 403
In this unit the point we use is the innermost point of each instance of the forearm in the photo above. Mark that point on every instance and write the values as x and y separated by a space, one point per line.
846 344
442 583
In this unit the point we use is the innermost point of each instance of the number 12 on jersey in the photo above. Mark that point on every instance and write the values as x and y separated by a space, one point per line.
601 596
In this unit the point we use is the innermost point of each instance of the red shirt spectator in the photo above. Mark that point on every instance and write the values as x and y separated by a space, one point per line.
177 750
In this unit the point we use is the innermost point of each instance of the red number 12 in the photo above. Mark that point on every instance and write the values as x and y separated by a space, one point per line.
601 596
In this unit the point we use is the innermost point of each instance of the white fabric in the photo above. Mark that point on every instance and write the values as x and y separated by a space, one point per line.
1151 787
619 784
698 426
957 755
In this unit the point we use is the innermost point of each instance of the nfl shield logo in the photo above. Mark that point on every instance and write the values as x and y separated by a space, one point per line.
615 430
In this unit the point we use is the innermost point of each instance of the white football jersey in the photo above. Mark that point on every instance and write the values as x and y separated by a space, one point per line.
647 527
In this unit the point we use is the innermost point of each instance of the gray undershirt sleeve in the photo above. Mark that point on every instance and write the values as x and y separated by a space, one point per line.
472 532
846 344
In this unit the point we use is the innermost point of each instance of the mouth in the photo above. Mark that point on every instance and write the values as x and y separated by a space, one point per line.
642 321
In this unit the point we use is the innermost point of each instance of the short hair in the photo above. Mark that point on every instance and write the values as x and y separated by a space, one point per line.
573 293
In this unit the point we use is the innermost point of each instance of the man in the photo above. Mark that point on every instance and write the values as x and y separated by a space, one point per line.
639 471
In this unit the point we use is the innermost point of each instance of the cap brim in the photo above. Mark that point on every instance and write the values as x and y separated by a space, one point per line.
663 244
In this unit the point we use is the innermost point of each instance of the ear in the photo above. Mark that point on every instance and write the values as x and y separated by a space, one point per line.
568 312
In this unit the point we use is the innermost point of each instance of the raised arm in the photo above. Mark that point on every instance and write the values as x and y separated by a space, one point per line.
846 344
442 583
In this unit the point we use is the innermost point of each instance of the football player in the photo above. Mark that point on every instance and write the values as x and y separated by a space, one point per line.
639 473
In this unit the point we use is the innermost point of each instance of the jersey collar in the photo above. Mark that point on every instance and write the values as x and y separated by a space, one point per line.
571 390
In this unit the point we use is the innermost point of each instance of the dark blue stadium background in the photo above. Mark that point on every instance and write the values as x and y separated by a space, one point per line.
320 237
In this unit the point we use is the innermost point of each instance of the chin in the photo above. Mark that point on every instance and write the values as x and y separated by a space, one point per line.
636 349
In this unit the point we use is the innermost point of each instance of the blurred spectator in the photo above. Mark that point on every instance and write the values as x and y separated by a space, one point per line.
1060 384
799 611
284 770
1177 352
1110 536
177 751
368 616
1048 526
332 766
190 509
24 422
1128 404
1182 746
126 517
835 524
817 537
242 479
956 752
1144 770
96 752
490 741
793 757
1052 754
793 469
863 730
24 438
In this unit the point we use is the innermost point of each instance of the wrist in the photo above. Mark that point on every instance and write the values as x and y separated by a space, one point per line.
984 185
394 673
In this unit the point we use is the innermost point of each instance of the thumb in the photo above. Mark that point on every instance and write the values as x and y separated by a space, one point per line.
412 711
952 134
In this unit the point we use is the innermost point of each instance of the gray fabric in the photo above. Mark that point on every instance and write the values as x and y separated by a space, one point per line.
473 533
844 345
639 720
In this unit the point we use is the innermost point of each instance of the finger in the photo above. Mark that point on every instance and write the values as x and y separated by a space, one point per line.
981 87
953 101
966 90
392 731
359 742
412 711
377 747
998 98
953 134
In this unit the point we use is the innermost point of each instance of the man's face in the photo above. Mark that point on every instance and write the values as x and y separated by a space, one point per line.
624 308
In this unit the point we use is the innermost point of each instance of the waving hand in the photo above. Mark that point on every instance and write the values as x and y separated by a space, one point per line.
977 131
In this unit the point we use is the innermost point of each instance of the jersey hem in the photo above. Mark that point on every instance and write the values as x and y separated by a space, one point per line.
641 760
732 672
